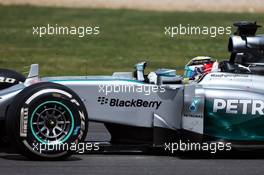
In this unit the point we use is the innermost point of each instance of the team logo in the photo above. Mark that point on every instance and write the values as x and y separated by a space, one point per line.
242 106
114 102
102 100
194 105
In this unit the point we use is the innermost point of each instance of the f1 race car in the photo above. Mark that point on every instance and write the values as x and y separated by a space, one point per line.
219 101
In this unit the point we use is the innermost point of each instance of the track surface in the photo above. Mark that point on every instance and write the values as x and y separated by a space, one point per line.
110 164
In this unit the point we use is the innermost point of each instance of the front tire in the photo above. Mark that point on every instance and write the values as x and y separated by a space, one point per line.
45 119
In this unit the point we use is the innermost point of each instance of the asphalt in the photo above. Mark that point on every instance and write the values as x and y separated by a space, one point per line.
241 163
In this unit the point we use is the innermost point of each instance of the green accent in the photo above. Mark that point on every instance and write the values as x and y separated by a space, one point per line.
166 75
31 121
233 126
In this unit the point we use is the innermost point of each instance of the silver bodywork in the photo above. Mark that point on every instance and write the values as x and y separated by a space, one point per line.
179 106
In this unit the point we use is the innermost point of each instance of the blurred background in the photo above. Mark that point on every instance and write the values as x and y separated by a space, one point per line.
130 31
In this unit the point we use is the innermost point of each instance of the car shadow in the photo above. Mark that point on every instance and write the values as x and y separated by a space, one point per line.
253 154
9 154
18 157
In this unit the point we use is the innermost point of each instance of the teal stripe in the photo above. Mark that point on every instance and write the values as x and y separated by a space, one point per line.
74 80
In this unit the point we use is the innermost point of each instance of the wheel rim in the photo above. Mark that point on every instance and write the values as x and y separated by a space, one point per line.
52 122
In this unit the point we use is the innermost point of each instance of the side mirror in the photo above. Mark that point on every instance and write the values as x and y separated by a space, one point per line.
140 67
34 71
33 75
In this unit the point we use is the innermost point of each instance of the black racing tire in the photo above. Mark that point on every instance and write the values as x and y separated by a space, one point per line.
44 115
10 78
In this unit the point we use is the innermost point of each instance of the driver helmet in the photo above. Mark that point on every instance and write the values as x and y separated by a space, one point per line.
198 66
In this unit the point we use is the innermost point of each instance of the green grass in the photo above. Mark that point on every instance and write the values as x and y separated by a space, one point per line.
126 37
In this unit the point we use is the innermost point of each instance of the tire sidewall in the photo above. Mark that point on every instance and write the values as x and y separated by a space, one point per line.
25 109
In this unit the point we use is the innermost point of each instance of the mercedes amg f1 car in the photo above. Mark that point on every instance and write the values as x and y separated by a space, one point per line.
213 101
